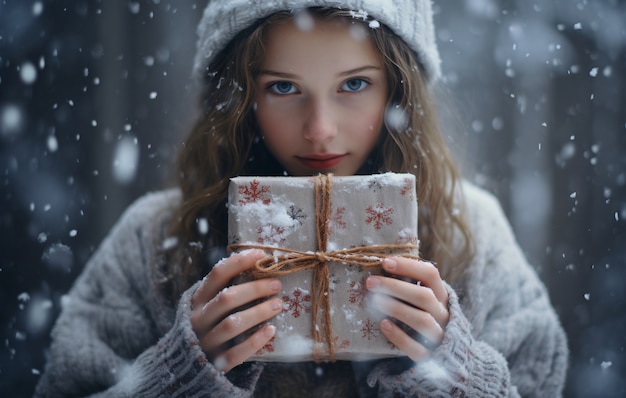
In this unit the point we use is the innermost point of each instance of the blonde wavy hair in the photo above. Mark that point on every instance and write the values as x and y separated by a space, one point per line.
224 143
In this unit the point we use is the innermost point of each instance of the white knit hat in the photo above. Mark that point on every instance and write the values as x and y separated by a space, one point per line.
412 20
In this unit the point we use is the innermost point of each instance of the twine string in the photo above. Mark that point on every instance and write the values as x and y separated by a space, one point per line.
321 274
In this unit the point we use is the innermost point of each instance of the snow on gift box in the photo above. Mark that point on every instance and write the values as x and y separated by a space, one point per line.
326 235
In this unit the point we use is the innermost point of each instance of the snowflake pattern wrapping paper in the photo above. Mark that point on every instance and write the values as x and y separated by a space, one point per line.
365 211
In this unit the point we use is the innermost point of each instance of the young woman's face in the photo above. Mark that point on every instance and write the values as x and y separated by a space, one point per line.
320 96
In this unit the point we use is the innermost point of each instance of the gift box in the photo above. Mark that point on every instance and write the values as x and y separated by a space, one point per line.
324 235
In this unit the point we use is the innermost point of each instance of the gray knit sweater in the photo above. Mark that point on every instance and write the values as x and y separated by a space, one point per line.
117 336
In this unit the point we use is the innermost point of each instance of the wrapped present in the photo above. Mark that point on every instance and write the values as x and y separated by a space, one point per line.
324 235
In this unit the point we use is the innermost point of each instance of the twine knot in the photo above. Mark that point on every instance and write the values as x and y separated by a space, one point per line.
321 257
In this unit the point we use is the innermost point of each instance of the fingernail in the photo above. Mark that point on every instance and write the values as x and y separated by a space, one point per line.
386 325
277 304
372 282
257 253
390 264
275 285
269 330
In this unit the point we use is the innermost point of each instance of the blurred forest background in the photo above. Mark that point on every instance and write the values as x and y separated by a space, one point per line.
96 96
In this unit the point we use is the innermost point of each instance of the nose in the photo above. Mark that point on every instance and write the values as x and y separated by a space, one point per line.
320 124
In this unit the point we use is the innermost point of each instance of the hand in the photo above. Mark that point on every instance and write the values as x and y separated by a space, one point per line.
421 305
217 318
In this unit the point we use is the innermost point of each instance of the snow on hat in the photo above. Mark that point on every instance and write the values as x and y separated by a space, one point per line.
412 20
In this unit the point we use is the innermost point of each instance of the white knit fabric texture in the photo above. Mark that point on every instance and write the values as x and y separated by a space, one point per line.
412 20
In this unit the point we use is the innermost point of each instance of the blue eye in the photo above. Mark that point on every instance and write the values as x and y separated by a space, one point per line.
282 88
354 85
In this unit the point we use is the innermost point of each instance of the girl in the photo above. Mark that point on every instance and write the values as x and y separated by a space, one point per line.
299 87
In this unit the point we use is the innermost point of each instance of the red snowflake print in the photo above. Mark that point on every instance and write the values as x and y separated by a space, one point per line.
392 346
358 292
267 348
369 330
340 346
336 220
270 234
408 189
254 192
407 239
298 303
379 215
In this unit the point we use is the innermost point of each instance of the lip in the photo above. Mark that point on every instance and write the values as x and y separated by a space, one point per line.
321 162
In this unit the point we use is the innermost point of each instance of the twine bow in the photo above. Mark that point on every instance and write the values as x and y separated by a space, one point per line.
291 261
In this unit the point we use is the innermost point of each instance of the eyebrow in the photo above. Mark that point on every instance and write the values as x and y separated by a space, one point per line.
341 74
359 70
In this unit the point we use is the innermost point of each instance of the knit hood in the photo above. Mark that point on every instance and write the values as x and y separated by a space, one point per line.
412 20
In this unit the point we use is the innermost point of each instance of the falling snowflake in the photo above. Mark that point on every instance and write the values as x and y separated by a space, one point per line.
379 215
254 192
297 303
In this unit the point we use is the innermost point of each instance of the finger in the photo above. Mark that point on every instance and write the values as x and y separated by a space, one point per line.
223 272
231 298
403 341
237 323
422 271
420 321
419 296
239 353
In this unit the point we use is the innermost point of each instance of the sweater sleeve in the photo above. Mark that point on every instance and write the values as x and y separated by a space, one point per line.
503 338
106 341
